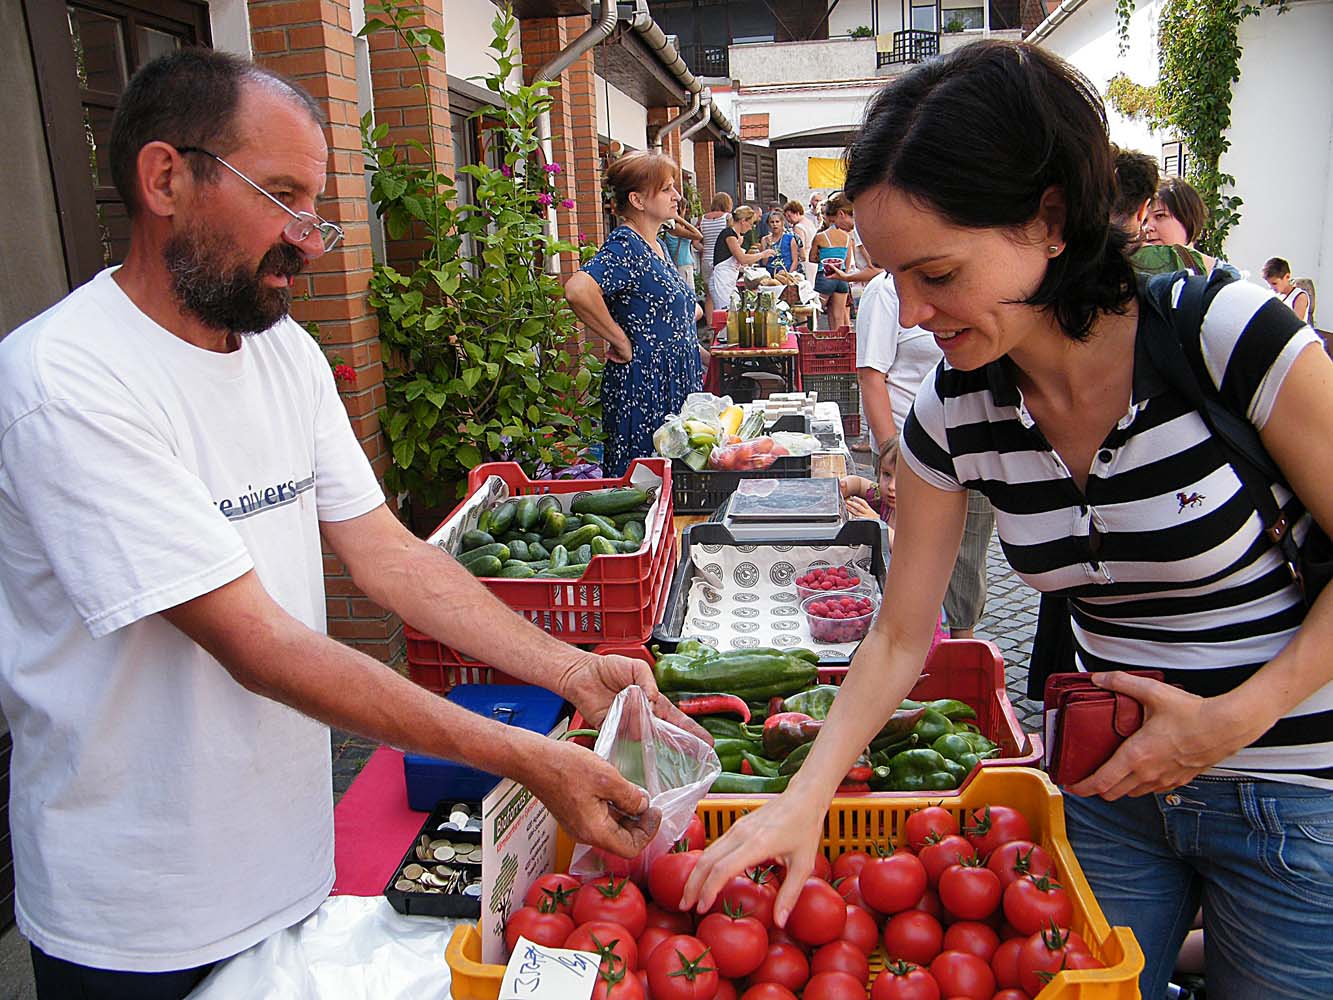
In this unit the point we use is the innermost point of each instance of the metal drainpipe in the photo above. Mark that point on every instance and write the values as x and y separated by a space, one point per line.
674 123
707 103
551 71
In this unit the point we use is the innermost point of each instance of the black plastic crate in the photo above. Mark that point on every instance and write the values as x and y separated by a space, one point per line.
843 390
861 531
704 492
432 904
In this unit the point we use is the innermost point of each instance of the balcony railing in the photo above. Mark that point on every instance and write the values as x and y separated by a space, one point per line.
706 60
910 47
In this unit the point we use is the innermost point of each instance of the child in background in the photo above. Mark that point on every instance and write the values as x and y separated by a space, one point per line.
875 499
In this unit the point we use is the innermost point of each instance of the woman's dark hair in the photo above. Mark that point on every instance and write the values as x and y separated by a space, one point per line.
979 135
187 98
1184 203
1276 267
839 202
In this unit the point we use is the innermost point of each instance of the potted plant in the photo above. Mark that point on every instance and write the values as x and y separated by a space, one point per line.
483 361
954 25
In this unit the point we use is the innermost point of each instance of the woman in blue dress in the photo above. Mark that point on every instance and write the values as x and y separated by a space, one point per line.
633 297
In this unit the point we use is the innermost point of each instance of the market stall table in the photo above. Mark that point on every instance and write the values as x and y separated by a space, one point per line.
783 360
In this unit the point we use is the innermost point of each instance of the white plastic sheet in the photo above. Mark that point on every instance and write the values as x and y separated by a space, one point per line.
351 948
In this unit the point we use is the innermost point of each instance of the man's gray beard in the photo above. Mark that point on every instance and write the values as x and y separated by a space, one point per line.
231 299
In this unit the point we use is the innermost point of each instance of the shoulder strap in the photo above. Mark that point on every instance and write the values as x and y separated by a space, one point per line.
1166 333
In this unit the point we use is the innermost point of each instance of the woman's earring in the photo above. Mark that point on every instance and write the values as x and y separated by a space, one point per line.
1053 250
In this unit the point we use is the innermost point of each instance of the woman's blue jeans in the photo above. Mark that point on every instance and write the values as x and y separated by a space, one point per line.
1257 854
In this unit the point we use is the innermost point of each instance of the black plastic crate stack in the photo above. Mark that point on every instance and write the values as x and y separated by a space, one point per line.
840 389
705 491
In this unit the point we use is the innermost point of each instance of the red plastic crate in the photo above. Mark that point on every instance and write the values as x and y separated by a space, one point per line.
828 352
851 425
971 670
439 668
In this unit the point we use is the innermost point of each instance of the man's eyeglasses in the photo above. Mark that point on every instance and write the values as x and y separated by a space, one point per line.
302 224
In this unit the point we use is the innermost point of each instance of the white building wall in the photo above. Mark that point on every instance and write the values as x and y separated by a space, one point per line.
467 41
620 117
687 154
229 23
1281 124
849 14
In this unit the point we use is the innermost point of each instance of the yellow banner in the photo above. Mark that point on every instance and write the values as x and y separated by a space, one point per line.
824 172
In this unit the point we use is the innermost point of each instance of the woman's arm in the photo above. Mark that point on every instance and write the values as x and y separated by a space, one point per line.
1184 734
878 407
684 228
855 486
883 671
734 245
585 298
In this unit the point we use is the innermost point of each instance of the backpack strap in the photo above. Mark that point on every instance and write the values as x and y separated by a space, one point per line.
1166 334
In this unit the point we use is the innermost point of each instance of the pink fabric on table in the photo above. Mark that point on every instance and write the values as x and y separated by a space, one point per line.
373 826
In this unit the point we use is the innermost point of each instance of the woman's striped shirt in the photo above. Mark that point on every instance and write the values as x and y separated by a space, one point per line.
1163 555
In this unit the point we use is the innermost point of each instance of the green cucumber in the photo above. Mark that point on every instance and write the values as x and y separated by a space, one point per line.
516 571
496 550
570 571
536 550
518 549
548 501
531 536
485 566
609 530
503 518
635 531
583 554
620 520
752 674
579 536
559 557
604 547
617 501
526 518
627 546
554 523
475 539
484 521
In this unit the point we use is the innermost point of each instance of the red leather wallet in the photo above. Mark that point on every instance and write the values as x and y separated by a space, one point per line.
1086 724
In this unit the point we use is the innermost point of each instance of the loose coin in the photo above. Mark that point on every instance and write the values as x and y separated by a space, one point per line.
445 852
405 885
412 871
473 890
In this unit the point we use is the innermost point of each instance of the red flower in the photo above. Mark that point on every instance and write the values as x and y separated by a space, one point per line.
344 373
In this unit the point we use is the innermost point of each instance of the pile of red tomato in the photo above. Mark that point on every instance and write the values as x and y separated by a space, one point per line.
973 914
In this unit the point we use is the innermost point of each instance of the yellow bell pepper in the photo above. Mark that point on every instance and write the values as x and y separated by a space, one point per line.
730 419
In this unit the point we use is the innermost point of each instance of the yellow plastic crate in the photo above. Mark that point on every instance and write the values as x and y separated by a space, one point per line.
857 823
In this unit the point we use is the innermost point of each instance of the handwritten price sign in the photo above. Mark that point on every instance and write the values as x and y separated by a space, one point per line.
535 972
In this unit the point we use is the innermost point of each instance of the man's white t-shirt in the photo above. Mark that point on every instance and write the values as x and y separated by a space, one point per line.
905 357
163 817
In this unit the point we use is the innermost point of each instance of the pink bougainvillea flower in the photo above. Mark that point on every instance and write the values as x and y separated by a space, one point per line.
544 199
583 237
567 203
552 168
506 170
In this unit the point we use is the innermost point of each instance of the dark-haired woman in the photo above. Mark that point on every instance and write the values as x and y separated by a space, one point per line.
634 298
1109 490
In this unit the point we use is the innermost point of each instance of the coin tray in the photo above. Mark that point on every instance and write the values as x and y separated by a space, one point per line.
437 904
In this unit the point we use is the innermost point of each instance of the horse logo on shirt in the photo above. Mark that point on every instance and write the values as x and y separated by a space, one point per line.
1189 500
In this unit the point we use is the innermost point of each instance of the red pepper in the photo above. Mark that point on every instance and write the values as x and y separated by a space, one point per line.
786 731
860 773
746 767
715 704
853 786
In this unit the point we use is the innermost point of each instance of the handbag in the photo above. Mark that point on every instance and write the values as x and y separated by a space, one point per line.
1085 724
1310 563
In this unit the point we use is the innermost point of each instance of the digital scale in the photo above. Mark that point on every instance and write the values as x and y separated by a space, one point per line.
778 510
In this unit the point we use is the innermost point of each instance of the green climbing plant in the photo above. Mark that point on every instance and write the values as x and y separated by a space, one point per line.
1198 64
482 357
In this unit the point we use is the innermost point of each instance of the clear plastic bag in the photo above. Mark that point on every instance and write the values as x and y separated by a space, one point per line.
672 440
757 453
674 767
704 406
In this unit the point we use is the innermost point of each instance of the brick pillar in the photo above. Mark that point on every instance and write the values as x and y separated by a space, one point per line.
580 92
396 84
311 41
573 122
705 173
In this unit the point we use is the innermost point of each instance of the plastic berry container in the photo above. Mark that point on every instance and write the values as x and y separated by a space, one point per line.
823 580
840 616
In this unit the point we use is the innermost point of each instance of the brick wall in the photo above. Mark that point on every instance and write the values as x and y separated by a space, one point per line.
311 41
705 172
573 123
